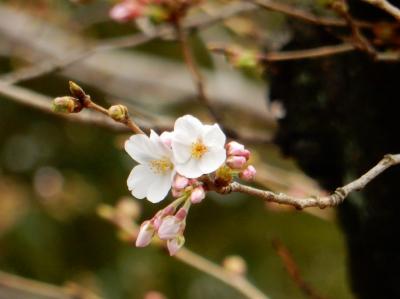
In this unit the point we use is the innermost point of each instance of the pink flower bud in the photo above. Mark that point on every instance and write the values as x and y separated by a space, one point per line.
175 244
145 235
249 173
176 193
236 162
166 138
181 214
170 228
180 182
234 148
197 195
126 11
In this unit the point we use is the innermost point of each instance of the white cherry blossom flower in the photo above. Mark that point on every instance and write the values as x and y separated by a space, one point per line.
152 178
198 149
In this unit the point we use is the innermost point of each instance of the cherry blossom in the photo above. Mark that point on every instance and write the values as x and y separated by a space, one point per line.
198 149
152 178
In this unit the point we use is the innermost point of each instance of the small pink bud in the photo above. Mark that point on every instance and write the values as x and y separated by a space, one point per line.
170 228
180 182
126 11
176 193
233 147
181 214
236 162
166 138
145 235
198 194
249 173
175 244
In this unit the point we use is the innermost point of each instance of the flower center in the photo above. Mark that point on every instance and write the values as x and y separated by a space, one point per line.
198 149
161 166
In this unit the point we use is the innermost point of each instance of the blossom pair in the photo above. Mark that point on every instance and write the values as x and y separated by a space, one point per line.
191 150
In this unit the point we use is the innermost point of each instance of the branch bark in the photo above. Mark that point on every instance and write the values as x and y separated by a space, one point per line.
331 200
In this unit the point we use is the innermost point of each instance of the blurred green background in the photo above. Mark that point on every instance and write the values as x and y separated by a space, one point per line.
54 173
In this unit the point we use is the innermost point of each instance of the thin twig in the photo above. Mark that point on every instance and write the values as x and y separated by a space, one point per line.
292 55
386 6
193 23
293 270
326 201
195 72
38 289
358 39
304 15
237 282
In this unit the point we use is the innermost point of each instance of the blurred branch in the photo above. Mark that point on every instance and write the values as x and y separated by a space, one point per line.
237 282
304 15
293 270
195 73
19 287
290 55
194 23
386 6
322 202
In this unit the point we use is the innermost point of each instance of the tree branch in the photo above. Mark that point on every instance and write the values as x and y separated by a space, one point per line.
237 282
194 23
293 270
386 6
326 201
291 55
304 15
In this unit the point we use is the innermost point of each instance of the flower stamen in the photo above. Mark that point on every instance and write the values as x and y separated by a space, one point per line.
198 149
161 166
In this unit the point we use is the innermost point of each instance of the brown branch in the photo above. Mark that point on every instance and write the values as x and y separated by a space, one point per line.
358 39
291 55
325 201
304 15
386 6
293 270
195 72
237 282
28 288
191 24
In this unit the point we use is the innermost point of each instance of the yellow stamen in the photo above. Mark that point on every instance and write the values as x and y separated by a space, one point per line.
161 166
198 149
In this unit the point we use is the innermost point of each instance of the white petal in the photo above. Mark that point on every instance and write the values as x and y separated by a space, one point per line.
159 188
140 148
212 159
181 151
213 136
159 146
189 169
187 128
139 181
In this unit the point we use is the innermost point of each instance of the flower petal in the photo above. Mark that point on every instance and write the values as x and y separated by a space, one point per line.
187 128
139 180
181 151
140 148
159 188
212 159
190 169
213 136
159 146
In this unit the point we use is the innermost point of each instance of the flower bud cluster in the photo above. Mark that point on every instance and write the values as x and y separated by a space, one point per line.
192 188
237 158
167 225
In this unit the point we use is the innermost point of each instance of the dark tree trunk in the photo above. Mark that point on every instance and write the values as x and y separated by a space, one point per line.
343 115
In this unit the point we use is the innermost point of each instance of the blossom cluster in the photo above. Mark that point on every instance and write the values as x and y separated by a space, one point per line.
188 160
